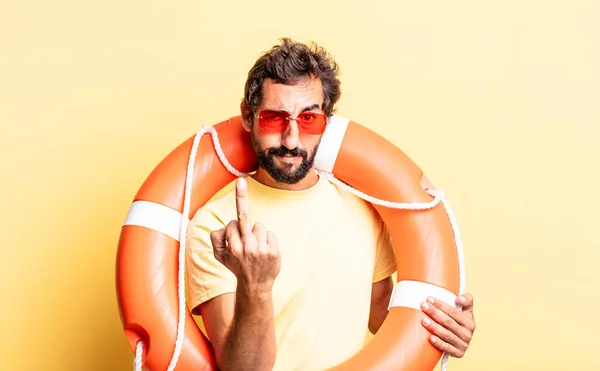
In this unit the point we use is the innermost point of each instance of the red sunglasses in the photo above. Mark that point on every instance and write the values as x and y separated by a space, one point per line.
271 121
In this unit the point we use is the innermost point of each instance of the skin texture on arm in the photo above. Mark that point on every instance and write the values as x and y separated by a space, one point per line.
240 328
380 298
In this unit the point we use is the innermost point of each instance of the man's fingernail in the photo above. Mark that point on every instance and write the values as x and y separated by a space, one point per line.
461 299
424 306
426 321
430 300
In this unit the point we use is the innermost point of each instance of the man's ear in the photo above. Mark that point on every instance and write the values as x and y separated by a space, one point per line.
246 116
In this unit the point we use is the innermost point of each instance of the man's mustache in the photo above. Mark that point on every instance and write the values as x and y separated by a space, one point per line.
283 151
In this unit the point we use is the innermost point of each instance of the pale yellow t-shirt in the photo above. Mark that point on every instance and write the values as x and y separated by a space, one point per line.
333 246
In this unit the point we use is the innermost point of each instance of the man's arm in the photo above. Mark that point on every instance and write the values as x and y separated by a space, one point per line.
380 298
241 330
241 325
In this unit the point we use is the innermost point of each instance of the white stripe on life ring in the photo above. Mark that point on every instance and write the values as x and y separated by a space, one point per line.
411 294
331 141
157 217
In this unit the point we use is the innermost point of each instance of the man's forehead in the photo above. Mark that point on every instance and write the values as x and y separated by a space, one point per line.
304 93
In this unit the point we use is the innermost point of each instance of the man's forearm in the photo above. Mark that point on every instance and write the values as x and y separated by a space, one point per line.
380 298
378 313
250 344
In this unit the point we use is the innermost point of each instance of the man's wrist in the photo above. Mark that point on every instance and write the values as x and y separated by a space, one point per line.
254 293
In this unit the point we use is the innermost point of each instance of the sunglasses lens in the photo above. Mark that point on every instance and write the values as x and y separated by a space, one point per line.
272 121
312 123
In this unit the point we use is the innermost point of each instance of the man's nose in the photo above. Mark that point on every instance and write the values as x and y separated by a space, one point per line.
291 137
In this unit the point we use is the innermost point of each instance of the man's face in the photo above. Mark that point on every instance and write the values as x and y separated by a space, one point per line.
288 156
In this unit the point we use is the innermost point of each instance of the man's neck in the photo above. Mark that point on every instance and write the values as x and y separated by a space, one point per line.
308 181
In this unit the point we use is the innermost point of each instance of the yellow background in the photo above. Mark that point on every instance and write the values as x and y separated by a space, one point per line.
497 101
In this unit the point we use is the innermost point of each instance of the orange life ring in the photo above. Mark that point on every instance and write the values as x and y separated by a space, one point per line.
428 257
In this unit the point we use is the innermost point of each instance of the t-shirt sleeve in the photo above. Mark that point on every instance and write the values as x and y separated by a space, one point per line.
207 277
385 258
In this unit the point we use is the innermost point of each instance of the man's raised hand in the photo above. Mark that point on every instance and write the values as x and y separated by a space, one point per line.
250 252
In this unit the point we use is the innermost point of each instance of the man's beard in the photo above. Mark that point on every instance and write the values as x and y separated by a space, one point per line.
284 174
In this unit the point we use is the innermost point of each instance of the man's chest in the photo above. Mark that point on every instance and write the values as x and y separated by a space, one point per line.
329 251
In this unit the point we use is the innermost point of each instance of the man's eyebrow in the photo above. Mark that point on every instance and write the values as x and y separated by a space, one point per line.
310 108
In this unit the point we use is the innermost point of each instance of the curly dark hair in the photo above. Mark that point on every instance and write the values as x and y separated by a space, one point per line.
289 63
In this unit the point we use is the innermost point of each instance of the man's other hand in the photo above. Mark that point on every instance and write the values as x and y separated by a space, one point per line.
451 327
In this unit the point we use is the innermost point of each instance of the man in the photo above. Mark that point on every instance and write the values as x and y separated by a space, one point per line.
287 270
